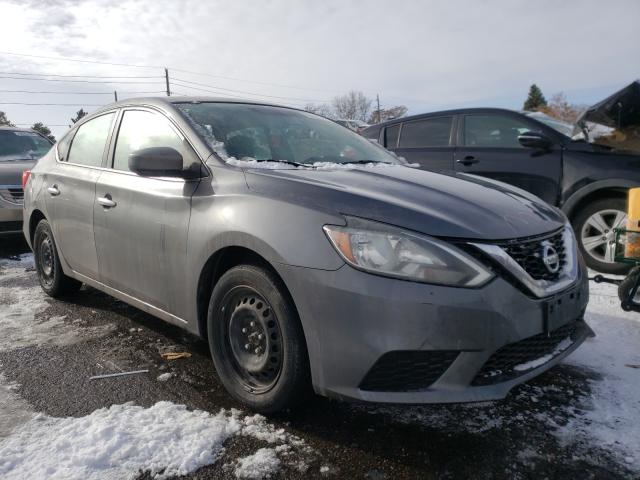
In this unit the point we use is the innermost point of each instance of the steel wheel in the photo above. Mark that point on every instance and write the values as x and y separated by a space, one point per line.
597 235
253 339
47 260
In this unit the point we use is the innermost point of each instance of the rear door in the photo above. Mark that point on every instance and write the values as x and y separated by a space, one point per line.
141 223
69 189
427 141
488 146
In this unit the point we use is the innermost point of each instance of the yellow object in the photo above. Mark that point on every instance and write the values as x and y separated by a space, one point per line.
632 245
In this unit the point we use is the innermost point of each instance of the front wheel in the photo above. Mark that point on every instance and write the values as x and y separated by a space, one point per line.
52 279
256 340
594 226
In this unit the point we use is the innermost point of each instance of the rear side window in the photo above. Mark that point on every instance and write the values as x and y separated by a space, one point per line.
430 132
88 144
493 131
391 135
142 129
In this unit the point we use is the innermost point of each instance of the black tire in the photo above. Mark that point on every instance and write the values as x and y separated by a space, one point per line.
265 373
52 279
595 258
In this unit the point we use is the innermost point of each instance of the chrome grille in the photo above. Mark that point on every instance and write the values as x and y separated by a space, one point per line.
12 194
528 254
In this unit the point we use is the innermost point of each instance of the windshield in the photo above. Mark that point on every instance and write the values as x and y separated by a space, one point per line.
263 133
558 125
21 145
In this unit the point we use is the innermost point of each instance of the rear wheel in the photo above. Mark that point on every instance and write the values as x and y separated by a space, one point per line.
256 340
52 279
594 226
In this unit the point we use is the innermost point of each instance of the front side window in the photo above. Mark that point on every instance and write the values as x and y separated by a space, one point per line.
21 145
493 131
262 133
143 129
430 132
87 147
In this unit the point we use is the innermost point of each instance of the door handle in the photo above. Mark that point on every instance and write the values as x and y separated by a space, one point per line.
53 190
106 201
468 160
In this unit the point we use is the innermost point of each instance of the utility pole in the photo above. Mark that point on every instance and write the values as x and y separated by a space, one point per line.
115 95
378 100
166 78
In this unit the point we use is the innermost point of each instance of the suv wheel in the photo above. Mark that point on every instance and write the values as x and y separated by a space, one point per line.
256 340
594 226
52 279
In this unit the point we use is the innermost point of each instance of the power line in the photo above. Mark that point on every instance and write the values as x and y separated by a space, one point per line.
191 72
75 76
79 81
67 59
56 104
77 93
248 93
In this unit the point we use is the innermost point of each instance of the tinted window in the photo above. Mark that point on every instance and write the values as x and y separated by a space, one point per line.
21 145
391 134
88 144
371 133
493 131
430 132
141 129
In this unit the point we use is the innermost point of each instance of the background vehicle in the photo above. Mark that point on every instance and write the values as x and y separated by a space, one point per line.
588 182
355 125
19 150
177 206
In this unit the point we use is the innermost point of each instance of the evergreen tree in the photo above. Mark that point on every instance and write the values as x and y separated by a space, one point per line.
44 130
535 99
79 114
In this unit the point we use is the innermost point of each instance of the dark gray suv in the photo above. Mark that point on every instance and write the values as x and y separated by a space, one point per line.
306 255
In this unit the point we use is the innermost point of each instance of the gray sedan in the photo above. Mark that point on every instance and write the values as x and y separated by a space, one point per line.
307 256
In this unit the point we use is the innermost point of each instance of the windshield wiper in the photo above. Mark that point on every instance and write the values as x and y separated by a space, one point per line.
288 162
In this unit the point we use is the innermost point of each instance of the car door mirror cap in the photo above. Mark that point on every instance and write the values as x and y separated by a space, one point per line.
535 140
157 162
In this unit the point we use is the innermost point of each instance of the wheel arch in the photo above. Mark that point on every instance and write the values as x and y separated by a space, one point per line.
216 265
616 188
36 217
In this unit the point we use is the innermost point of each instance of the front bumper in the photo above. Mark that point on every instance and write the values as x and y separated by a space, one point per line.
352 320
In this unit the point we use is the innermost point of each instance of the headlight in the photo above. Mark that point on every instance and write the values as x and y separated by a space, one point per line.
385 250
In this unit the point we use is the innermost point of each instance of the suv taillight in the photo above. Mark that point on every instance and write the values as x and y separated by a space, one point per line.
25 178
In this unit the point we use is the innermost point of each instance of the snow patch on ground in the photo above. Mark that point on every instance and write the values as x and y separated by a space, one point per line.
122 440
14 411
262 464
612 411
163 377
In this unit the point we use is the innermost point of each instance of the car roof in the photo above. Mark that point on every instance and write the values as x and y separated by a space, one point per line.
16 129
457 111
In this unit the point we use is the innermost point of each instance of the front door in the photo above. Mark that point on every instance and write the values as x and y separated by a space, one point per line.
488 146
70 193
141 223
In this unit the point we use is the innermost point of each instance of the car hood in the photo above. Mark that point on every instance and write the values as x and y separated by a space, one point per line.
455 206
11 171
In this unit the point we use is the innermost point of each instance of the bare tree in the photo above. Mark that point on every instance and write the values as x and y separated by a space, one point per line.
320 109
560 108
353 106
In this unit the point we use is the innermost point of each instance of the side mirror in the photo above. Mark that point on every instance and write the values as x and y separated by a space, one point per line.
157 162
534 140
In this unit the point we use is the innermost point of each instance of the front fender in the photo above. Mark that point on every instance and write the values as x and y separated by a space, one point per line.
576 197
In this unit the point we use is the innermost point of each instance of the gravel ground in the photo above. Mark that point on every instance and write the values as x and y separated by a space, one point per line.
45 370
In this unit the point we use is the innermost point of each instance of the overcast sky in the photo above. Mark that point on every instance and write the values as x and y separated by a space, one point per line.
427 55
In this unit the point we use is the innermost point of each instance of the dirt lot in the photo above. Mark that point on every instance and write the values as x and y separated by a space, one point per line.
579 420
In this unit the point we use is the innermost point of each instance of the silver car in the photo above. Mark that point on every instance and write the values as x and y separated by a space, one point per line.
20 148
307 256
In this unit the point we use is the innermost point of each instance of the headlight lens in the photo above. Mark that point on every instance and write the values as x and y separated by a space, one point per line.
378 248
